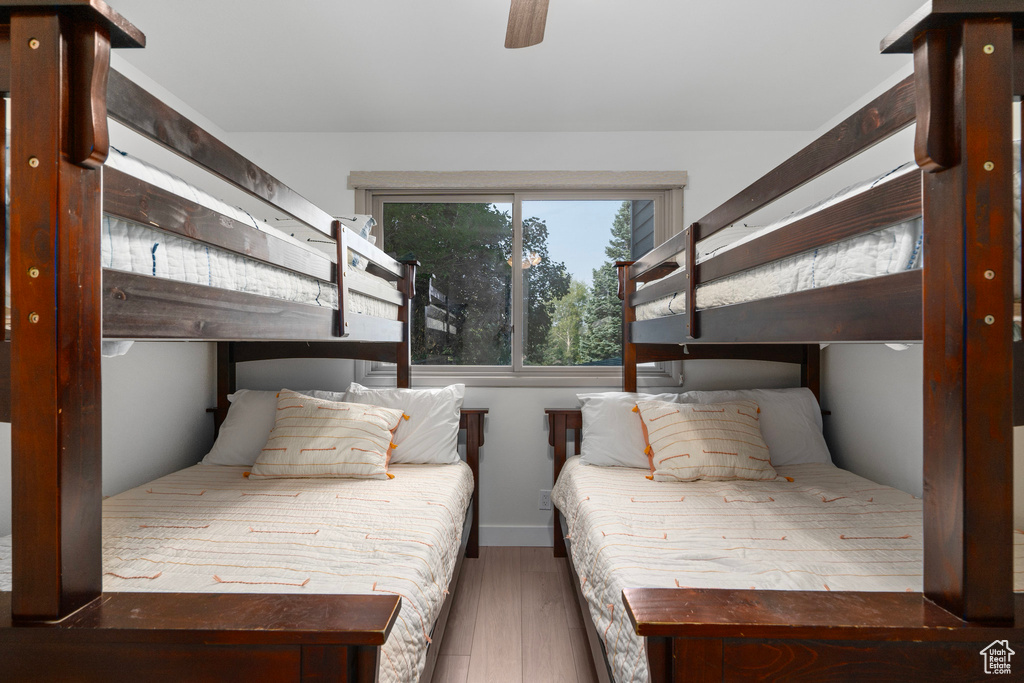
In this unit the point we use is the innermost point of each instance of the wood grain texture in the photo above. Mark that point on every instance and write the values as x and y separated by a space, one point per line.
547 651
498 642
884 308
537 560
573 617
832 662
943 14
88 46
55 436
968 424
451 669
122 33
935 144
458 639
794 615
585 672
526 22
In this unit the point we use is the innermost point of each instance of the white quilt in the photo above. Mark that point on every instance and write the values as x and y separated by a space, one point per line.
827 529
207 529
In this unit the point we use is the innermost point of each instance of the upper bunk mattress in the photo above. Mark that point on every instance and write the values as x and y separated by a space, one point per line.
884 252
208 529
137 248
827 529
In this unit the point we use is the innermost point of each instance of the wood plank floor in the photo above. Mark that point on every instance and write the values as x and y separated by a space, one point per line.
515 620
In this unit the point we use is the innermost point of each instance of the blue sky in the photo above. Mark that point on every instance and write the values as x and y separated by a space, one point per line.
578 231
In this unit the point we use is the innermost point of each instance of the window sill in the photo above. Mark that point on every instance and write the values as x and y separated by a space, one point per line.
482 376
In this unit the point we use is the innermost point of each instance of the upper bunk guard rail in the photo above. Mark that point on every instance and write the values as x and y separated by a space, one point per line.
130 104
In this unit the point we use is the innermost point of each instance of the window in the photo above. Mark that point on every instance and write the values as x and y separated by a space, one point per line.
519 287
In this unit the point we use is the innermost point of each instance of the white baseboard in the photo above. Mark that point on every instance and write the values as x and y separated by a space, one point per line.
535 536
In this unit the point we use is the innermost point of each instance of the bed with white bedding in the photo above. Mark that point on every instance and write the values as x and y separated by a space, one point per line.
817 527
894 249
209 529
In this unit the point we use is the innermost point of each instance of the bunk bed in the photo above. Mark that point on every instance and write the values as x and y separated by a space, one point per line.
69 292
969 69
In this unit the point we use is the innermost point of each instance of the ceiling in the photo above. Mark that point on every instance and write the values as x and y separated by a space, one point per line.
440 65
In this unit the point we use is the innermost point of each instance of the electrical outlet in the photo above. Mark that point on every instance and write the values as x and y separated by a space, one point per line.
545 500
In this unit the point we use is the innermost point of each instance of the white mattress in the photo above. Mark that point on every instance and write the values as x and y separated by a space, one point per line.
206 529
137 248
828 529
892 250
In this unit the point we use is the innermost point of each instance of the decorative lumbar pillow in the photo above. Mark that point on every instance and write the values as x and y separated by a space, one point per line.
717 441
326 439
431 434
790 421
612 432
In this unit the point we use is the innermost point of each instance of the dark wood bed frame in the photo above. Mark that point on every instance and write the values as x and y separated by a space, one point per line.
969 69
56 623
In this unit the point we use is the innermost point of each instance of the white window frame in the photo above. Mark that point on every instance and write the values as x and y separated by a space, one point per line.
373 189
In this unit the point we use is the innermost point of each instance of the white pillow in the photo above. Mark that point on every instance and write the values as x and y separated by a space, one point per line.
613 435
431 434
790 421
244 431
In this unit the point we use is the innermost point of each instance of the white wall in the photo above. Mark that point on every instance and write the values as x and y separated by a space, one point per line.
154 416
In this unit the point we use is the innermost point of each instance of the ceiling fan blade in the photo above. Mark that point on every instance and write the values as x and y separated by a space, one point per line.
526 19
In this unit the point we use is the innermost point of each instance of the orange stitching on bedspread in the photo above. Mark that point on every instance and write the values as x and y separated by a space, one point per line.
873 538
831 500
174 493
681 499
332 448
269 531
275 495
753 538
663 537
610 606
168 526
740 500
684 455
141 576
719 452
752 417
261 583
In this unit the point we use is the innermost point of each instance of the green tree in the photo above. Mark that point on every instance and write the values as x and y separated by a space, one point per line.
463 246
603 310
562 346
543 283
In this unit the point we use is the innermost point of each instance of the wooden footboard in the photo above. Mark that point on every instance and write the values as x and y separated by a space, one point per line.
203 637
746 635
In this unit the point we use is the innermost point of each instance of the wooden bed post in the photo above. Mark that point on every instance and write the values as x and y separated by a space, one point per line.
60 59
626 289
964 80
407 285
56 323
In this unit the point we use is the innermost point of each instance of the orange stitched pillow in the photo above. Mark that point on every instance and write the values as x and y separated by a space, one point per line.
318 438
688 441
